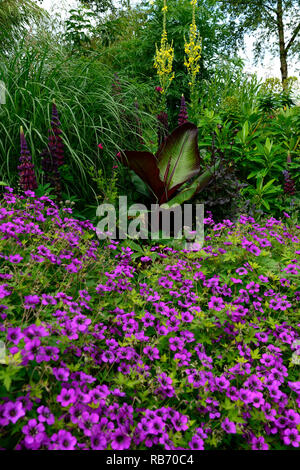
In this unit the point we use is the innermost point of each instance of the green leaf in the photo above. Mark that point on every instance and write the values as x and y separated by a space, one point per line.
266 204
7 382
255 354
178 157
139 184
269 183
134 246
197 186
245 131
176 161
268 146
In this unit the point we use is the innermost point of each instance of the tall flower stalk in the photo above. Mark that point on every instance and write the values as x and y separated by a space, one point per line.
289 186
163 127
116 86
55 141
26 168
183 114
193 49
163 60
53 155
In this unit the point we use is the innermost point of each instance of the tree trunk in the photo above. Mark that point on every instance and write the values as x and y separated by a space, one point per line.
282 48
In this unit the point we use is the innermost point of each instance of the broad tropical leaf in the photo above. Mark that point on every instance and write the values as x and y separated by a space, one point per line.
144 164
197 186
176 161
178 156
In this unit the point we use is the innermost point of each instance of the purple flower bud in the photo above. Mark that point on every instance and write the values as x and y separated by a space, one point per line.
26 168
183 115
53 155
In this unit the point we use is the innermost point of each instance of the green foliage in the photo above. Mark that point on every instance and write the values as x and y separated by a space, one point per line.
263 194
229 91
78 30
100 6
88 110
106 186
127 40
176 161
279 19
15 15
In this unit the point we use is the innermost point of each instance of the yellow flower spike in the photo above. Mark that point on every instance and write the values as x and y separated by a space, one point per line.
193 50
163 60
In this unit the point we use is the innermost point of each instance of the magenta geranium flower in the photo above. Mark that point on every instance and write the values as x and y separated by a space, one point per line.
66 397
65 440
14 335
34 433
3 291
45 415
179 422
291 437
257 399
151 353
32 348
196 443
216 303
87 422
120 440
61 374
30 301
228 426
156 426
13 411
258 443
98 442
15 258
241 271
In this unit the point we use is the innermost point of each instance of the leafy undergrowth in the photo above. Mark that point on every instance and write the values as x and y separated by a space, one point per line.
109 349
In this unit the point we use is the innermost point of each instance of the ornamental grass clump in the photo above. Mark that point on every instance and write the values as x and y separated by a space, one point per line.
138 127
113 348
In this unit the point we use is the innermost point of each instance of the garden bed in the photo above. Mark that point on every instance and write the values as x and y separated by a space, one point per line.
107 349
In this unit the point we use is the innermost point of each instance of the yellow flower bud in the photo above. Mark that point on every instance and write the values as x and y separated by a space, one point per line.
193 49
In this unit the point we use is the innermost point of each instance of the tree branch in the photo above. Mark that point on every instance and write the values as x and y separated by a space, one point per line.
270 15
270 9
296 31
